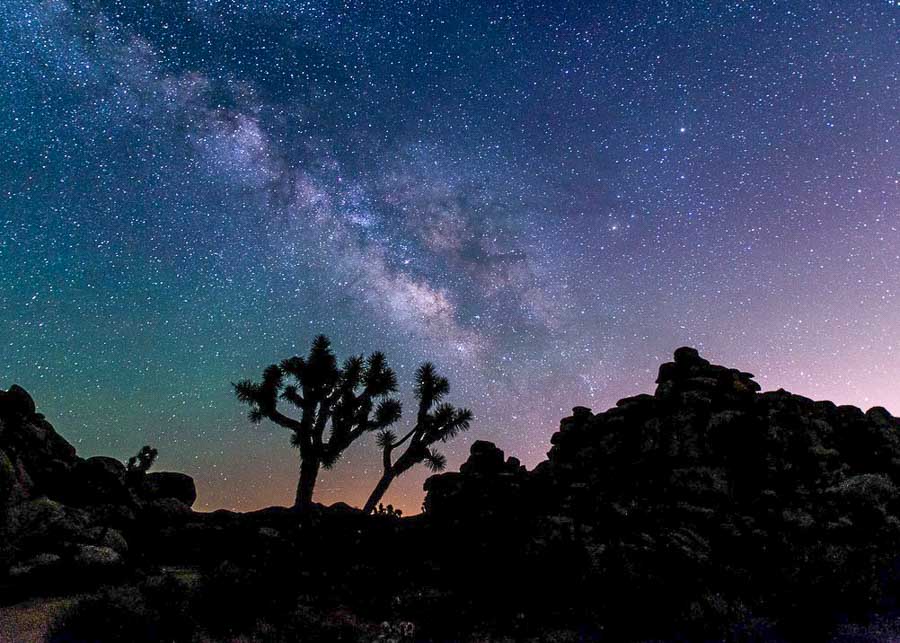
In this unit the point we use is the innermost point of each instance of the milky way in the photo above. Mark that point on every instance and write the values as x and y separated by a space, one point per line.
543 198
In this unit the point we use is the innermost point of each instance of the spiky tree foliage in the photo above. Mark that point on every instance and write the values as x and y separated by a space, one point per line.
332 405
436 421
140 463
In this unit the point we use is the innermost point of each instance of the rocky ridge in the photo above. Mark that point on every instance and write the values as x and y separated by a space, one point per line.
708 496
67 515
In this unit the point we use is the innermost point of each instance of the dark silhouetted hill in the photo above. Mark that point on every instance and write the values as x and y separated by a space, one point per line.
707 504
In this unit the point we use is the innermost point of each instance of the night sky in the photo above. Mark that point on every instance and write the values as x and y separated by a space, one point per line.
544 198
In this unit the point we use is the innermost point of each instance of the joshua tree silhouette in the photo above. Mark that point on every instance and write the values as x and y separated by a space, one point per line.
435 421
344 402
140 463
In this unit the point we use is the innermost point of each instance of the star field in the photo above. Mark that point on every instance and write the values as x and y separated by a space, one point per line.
544 198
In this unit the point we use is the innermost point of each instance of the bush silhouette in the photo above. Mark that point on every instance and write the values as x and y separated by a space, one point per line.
389 511
155 611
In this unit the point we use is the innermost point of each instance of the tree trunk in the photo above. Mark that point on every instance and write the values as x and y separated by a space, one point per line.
378 492
309 471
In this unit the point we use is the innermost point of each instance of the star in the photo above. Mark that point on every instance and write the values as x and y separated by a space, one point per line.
194 191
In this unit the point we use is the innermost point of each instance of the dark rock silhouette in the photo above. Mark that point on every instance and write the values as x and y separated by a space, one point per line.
707 498
16 403
168 484
97 480
40 458
63 515
486 484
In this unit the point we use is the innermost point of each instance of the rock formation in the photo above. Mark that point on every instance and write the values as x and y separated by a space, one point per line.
64 513
487 484
707 496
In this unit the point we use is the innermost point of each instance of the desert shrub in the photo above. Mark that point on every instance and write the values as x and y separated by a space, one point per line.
306 624
388 511
232 599
171 601
151 612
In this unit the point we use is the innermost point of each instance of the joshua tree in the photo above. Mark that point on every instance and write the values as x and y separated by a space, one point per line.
435 422
140 464
344 402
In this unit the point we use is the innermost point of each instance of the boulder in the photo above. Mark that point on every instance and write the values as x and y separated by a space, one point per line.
167 511
35 516
688 356
96 557
882 418
110 467
44 521
488 486
41 457
514 465
16 403
98 480
581 412
690 372
484 458
107 537
120 517
38 564
168 484
9 487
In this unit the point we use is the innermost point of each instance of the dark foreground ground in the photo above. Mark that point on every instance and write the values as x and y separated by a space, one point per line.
33 621
706 511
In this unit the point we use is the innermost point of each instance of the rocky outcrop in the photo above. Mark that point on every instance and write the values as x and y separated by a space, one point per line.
99 480
168 484
707 510
712 487
488 484
16 403
41 458
706 427
63 514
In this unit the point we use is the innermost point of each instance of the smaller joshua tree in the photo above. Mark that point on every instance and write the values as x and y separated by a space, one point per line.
140 463
436 421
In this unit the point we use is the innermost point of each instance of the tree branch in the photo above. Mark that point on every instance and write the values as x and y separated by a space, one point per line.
386 457
282 420
405 437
